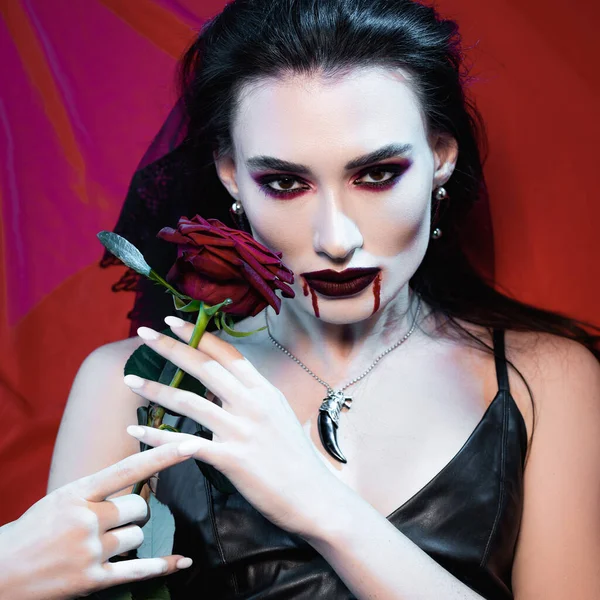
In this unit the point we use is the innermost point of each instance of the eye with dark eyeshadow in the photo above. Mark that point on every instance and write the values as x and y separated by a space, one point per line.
393 172
264 183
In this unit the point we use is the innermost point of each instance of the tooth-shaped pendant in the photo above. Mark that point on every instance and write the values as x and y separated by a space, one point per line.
328 435
327 422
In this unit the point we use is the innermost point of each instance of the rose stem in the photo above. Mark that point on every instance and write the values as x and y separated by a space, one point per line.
201 324
157 414
156 277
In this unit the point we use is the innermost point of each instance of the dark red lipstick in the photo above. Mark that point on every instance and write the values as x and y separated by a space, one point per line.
340 283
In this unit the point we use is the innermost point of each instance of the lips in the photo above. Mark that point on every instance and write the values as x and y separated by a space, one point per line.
340 283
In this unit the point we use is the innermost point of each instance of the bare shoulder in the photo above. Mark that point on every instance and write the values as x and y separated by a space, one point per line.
92 433
556 368
555 556
546 348
547 374
118 351
548 367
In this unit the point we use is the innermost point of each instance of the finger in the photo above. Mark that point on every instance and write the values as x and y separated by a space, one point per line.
138 569
186 403
221 350
122 539
158 437
202 449
121 510
126 472
209 342
210 372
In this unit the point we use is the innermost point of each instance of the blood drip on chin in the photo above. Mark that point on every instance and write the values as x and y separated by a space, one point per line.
376 293
315 301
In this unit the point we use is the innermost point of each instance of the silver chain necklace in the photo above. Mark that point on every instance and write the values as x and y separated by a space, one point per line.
329 411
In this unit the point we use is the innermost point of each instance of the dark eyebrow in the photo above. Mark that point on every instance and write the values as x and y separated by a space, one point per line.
276 164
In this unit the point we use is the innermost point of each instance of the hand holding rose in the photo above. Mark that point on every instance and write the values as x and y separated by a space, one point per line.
259 444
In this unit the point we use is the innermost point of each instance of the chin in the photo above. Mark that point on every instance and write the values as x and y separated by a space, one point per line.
343 311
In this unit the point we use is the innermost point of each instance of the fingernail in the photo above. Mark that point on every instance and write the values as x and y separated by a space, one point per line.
184 563
133 381
174 321
147 334
188 448
136 431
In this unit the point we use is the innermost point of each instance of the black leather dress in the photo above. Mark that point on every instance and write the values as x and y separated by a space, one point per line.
466 518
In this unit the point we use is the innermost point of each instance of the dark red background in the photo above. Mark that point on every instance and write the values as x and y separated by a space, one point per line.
91 84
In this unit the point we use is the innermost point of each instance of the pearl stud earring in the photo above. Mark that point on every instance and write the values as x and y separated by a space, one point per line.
441 193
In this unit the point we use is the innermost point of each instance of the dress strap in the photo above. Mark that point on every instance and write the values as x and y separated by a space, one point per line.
500 359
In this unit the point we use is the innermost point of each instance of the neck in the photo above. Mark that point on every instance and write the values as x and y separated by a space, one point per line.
337 351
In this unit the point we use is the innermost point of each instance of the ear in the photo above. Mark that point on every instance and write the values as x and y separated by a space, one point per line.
445 153
225 166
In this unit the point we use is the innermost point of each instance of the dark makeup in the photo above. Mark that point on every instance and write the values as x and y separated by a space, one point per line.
341 284
384 176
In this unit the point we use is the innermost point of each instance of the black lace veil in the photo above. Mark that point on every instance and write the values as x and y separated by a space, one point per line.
168 183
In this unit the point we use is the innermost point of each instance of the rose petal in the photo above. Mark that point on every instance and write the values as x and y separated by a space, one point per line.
171 235
215 262
206 263
201 239
226 255
259 284
250 260
286 290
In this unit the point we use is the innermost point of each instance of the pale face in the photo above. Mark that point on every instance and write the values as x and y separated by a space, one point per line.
334 215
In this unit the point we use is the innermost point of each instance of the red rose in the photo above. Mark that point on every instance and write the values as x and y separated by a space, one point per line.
215 262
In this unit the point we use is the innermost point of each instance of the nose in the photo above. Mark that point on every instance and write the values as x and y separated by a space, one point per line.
335 233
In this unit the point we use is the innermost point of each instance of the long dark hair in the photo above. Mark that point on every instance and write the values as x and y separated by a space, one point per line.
254 39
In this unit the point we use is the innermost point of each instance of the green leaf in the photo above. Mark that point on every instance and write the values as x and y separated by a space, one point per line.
166 375
158 531
124 251
148 364
211 311
165 427
227 324
145 362
142 415
193 306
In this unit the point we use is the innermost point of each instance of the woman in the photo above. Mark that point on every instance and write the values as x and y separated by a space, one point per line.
341 133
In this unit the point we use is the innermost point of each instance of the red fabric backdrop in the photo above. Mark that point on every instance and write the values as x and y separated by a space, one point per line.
86 85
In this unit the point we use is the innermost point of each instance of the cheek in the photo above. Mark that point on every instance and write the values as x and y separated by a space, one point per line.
275 230
280 226
397 227
400 221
